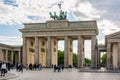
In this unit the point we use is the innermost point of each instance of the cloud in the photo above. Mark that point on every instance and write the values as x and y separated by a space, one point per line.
41 9
87 49
10 2
108 26
106 13
17 40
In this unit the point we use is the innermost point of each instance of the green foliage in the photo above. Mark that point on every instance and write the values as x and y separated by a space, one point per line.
74 59
60 57
9 57
104 59
87 62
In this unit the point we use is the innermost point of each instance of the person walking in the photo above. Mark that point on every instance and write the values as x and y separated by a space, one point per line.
3 69
21 68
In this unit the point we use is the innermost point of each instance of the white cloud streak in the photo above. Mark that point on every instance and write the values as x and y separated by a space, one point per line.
17 40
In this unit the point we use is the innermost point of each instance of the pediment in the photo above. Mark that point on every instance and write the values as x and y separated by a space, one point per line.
114 35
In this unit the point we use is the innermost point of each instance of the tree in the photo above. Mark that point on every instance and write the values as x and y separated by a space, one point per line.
60 57
87 62
74 59
104 59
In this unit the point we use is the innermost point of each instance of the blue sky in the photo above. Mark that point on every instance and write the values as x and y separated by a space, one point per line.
13 13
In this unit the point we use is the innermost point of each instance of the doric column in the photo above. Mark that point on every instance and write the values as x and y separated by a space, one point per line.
36 59
19 56
12 57
48 55
98 58
6 55
108 55
70 51
42 51
97 55
80 52
93 52
54 52
66 51
24 56
1 55
119 54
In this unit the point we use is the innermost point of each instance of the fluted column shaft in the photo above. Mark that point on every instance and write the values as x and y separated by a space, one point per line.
108 55
24 56
48 55
36 59
80 52
66 52
119 54
1 55
19 53
12 57
93 51
98 57
6 56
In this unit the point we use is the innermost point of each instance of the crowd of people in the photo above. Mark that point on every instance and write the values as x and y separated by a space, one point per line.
19 67
58 68
7 66
33 66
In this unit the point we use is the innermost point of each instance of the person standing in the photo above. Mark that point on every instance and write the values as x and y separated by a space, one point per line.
3 69
62 67
0 65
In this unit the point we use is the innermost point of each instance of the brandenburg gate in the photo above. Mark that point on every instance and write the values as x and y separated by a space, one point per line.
40 41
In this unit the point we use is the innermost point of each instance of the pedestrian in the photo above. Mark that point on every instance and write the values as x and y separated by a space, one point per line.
17 66
30 66
39 67
0 65
9 66
59 68
55 67
26 66
21 68
3 69
62 67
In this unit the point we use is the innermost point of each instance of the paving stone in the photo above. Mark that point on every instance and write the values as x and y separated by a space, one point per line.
67 74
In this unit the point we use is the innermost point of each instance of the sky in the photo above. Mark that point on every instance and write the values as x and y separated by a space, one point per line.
13 13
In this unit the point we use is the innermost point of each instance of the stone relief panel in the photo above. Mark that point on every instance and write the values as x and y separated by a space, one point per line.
31 50
42 50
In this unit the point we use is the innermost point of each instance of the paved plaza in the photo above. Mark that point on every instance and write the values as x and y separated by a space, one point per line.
48 74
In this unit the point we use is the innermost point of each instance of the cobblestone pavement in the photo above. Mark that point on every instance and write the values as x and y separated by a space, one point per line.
48 74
